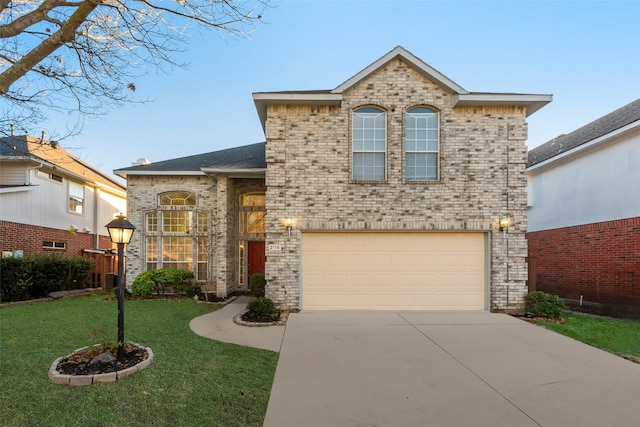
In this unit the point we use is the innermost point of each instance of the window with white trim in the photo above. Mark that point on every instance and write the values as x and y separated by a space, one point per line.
76 197
177 234
48 244
369 144
421 144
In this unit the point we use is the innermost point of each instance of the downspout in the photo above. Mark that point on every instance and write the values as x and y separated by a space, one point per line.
32 169
96 205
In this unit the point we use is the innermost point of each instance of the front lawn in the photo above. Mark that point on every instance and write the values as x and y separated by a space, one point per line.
620 336
193 381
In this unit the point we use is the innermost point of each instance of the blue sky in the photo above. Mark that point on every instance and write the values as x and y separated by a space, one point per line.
585 53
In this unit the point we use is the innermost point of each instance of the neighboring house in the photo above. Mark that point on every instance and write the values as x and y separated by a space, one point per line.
53 202
383 193
584 211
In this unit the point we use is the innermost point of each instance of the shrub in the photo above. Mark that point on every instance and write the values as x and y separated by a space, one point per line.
192 291
544 305
14 280
154 281
257 284
36 276
143 285
263 307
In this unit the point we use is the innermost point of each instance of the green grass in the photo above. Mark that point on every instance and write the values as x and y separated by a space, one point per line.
193 381
617 335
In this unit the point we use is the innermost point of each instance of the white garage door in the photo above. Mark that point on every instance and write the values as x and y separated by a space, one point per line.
393 271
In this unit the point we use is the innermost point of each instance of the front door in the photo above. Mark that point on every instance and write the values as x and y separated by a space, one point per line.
255 258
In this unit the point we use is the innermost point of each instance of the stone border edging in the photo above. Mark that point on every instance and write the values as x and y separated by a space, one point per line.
54 296
78 380
237 319
225 302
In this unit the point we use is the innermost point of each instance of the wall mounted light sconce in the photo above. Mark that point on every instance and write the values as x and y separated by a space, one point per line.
288 224
503 223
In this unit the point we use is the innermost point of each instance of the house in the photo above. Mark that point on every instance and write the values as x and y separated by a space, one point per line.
53 202
584 212
386 192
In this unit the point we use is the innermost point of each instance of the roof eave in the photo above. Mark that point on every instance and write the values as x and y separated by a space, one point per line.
113 186
124 172
29 159
237 173
584 147
263 99
533 102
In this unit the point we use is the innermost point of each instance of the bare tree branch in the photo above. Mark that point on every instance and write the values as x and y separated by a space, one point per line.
85 55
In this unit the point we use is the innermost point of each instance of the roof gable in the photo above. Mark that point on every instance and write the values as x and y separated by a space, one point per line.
605 125
50 153
421 66
460 98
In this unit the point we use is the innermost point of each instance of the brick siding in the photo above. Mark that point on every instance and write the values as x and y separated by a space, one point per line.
599 261
219 198
482 167
29 238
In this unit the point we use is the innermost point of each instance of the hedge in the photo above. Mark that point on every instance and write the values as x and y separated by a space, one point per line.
36 276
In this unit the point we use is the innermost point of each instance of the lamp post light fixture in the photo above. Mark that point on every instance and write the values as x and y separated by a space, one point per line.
120 231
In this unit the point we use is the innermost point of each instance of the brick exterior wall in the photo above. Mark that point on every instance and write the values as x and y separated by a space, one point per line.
599 261
29 238
218 196
482 177
142 197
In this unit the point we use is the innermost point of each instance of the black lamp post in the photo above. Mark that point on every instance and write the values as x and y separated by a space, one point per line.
120 231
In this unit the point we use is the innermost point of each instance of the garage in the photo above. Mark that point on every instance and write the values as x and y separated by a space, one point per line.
393 271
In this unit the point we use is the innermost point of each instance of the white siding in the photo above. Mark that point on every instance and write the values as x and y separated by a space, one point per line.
595 185
46 205
13 174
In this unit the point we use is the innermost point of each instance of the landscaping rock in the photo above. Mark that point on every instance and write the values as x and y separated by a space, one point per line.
105 357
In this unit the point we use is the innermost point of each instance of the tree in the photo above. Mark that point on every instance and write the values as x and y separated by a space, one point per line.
85 55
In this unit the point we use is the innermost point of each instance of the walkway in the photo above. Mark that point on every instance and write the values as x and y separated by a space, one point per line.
218 325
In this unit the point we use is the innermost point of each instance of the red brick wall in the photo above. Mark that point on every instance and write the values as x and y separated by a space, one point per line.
600 261
29 238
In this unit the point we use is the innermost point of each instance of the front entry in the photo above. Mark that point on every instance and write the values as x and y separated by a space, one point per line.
255 258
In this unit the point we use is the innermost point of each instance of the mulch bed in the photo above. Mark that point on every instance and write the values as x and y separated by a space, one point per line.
248 317
79 363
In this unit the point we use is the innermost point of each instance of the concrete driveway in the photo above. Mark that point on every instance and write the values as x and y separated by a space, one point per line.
444 369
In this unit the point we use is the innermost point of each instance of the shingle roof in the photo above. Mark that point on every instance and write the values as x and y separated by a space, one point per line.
29 147
462 97
606 124
245 157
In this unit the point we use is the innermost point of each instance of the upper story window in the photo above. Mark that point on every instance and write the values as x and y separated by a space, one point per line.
252 213
421 144
76 197
46 175
369 144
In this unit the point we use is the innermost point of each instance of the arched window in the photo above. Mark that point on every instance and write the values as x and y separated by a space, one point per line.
177 198
369 144
421 144
177 234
